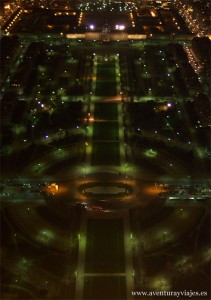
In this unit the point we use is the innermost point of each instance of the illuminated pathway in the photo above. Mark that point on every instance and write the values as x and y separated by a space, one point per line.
83 274
105 148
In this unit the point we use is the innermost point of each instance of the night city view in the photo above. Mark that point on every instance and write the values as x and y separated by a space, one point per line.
105 149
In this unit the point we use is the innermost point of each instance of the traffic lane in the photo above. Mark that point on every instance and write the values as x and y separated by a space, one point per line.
106 205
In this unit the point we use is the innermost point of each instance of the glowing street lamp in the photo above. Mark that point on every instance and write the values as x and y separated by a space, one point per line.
91 26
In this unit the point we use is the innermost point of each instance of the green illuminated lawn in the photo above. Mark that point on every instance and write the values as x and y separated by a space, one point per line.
105 287
106 79
105 153
105 89
106 74
106 131
106 65
105 246
106 111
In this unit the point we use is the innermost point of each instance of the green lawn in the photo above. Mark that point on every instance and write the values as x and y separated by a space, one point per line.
106 111
106 74
105 89
105 153
105 246
106 65
105 131
105 288
106 80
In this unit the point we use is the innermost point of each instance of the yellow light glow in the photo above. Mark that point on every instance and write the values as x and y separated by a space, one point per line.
7 6
54 185
153 190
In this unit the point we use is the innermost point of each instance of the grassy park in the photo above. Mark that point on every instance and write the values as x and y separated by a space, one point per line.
102 287
106 72
105 246
106 79
105 88
106 111
106 131
99 122
105 153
